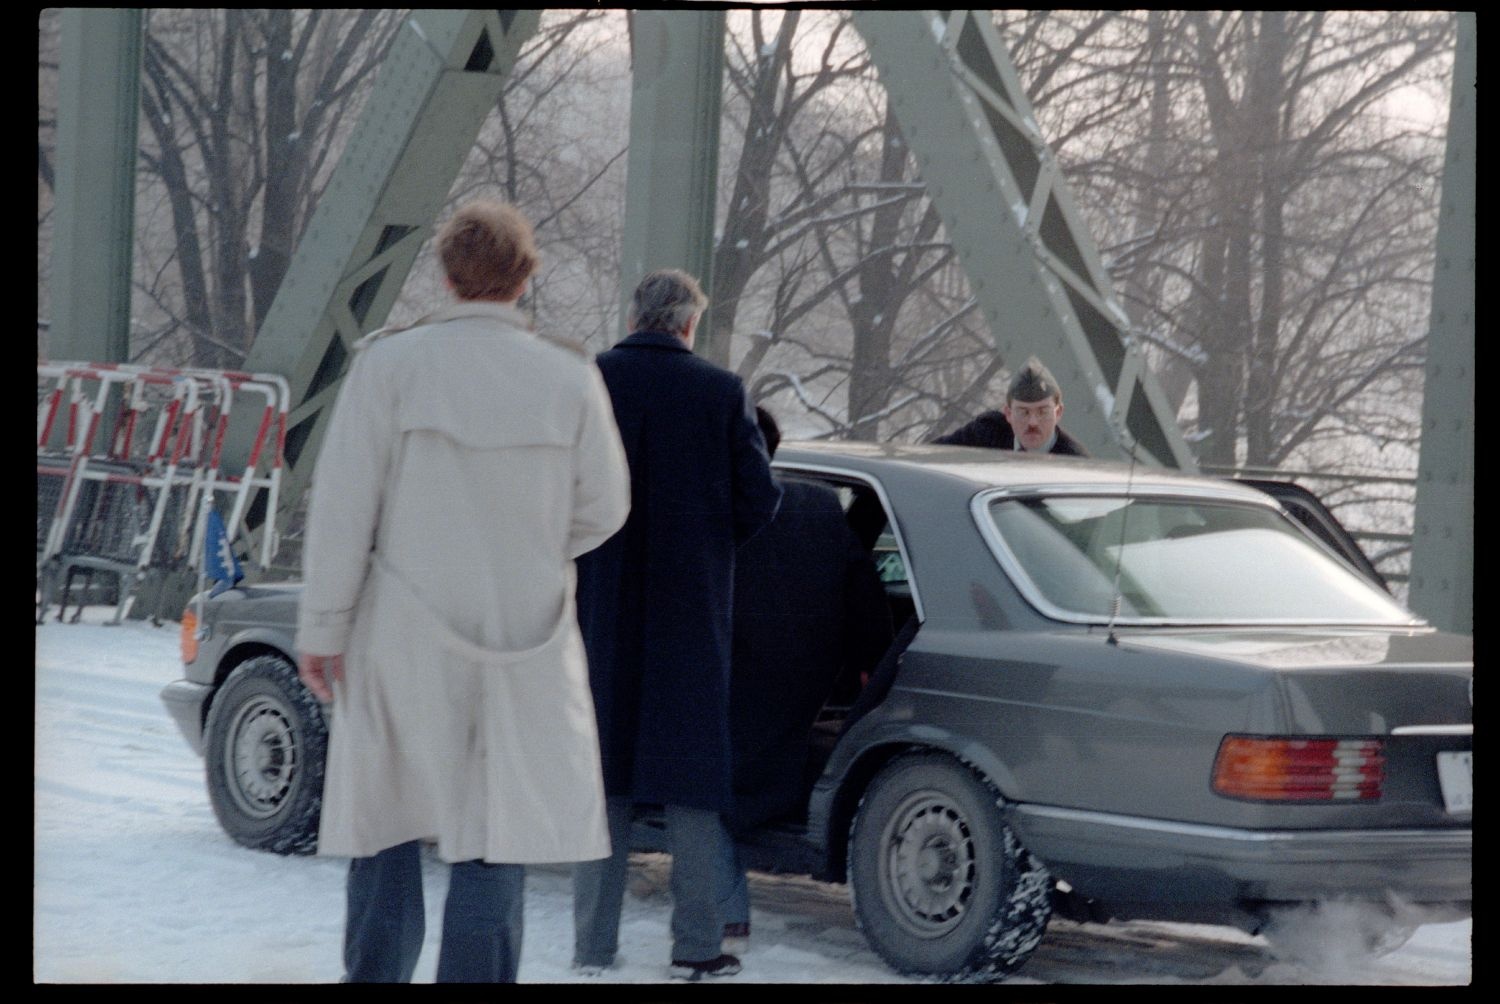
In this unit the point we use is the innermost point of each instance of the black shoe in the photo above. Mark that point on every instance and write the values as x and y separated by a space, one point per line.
724 965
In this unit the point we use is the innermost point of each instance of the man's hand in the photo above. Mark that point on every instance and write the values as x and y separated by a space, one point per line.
317 673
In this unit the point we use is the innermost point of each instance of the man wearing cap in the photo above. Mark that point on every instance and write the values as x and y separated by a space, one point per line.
1028 422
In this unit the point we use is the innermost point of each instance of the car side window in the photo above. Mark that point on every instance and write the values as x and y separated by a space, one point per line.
888 560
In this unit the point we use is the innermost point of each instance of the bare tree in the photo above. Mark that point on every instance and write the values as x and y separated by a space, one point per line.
828 241
243 109
1320 209
1282 228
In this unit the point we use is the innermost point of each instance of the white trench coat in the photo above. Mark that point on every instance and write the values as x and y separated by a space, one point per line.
466 464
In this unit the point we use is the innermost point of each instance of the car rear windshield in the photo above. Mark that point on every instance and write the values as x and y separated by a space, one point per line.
1177 560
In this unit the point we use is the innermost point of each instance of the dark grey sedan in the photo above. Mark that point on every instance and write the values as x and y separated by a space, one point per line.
1119 692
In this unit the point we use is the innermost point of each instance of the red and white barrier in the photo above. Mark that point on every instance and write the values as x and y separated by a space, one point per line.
138 497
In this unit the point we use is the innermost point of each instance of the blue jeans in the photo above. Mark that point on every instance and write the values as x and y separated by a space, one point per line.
387 920
693 839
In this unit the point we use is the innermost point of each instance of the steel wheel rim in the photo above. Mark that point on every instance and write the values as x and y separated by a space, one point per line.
928 864
262 757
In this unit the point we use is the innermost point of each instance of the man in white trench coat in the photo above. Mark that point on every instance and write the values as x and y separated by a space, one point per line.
467 462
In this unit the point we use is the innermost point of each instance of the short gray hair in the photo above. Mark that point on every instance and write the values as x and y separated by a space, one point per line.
666 300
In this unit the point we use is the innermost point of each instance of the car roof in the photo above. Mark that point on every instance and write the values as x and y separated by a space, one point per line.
976 468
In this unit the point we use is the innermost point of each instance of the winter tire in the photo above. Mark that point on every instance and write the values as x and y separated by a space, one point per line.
266 743
940 884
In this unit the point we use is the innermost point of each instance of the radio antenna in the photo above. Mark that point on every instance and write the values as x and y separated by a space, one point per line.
1114 603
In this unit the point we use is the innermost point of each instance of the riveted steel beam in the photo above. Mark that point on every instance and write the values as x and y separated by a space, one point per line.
1442 559
442 77
99 74
677 73
1007 208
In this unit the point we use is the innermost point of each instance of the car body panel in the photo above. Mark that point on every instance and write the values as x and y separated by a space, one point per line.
237 624
1130 860
188 703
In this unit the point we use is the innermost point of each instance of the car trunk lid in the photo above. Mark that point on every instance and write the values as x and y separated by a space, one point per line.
1412 691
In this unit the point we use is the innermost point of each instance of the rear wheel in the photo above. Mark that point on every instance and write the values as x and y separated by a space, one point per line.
266 743
940 884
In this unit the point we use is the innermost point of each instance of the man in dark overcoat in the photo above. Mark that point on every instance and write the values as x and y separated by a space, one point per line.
1028 422
810 620
654 604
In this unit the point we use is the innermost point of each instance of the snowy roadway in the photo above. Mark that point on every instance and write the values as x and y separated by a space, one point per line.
135 882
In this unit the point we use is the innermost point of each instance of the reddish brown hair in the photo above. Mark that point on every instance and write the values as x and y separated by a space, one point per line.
488 250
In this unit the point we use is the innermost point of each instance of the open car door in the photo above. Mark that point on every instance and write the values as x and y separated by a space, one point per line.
1305 507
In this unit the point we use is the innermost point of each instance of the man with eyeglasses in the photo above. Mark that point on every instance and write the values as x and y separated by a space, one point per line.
1028 422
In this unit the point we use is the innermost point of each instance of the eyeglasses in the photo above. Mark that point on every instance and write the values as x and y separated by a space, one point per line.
1039 410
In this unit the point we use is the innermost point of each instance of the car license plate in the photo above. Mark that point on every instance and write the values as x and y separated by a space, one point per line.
1456 776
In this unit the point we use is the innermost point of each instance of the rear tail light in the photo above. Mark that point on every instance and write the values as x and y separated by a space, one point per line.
189 637
1282 769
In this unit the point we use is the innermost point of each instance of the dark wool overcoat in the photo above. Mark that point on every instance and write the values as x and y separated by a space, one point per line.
655 600
992 430
810 616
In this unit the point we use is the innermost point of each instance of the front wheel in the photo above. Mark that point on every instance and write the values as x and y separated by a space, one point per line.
940 884
266 744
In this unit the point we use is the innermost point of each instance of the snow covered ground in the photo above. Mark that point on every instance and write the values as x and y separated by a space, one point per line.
135 882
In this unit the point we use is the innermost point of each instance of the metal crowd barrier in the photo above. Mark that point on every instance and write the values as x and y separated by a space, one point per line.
132 496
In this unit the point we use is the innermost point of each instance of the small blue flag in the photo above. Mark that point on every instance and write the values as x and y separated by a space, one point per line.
218 558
